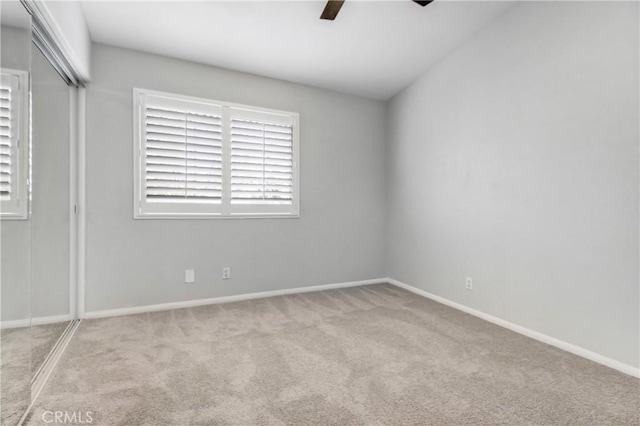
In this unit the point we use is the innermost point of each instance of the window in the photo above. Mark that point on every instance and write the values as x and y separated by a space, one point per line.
200 158
14 161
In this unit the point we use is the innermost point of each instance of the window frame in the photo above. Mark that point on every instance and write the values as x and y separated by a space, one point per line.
18 208
225 209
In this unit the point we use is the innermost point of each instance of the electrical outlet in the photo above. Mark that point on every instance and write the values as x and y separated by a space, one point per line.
189 275
226 273
469 283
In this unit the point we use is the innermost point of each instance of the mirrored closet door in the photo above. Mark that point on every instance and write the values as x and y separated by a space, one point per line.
37 214
15 225
50 207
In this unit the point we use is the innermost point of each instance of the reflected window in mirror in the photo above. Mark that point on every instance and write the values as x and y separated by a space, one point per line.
14 153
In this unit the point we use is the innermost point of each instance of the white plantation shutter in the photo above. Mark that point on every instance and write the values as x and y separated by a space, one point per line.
183 156
201 158
13 144
261 162
6 142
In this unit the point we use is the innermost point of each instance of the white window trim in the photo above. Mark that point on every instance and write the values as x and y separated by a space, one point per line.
186 210
18 209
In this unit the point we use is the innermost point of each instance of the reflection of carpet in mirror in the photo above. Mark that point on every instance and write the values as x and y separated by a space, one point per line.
15 374
23 352
43 339
364 355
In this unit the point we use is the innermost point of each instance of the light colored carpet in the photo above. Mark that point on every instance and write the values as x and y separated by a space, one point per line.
374 355
15 374
22 352
43 339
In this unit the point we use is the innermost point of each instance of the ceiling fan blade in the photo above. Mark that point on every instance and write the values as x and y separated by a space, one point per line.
423 2
331 9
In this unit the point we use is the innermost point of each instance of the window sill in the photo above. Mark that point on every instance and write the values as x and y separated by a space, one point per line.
13 218
214 216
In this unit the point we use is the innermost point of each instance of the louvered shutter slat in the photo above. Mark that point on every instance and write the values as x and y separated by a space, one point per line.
6 144
178 176
237 166
177 146
269 175
183 155
179 170
272 148
260 140
261 162
260 153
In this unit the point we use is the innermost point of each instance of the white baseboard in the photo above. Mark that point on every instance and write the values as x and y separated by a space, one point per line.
226 299
34 321
560 344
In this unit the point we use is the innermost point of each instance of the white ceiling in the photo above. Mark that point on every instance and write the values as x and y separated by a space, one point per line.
373 48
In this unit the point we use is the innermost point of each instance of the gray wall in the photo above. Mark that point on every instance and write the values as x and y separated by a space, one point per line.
139 262
514 161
